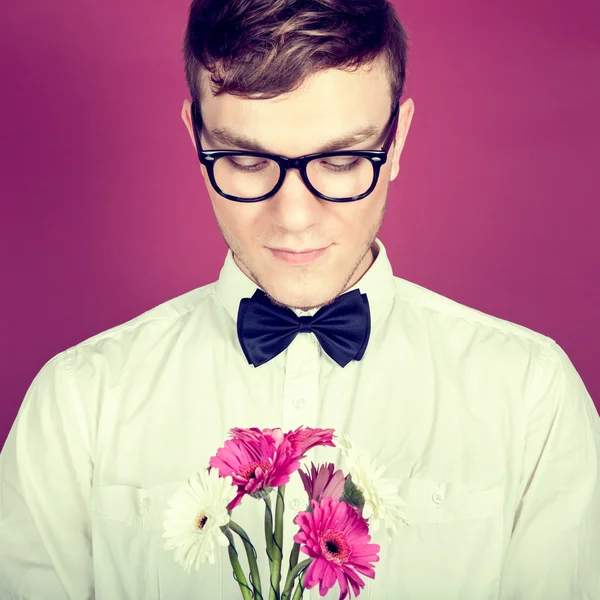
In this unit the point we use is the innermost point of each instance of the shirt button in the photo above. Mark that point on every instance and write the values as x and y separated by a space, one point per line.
298 402
298 504
145 503
437 497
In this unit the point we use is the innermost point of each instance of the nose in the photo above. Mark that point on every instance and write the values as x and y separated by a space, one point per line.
294 205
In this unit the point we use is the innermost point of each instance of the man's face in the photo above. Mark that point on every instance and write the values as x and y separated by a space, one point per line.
329 105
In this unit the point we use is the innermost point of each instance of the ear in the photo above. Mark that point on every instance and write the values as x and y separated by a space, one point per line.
407 109
186 116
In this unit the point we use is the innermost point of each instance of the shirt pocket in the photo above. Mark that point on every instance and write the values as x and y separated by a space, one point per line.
129 555
452 548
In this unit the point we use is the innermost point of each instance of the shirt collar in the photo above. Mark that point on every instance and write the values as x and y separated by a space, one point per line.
378 283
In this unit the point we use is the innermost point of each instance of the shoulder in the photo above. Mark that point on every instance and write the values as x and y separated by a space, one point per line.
165 315
169 315
474 340
449 315
499 354
110 354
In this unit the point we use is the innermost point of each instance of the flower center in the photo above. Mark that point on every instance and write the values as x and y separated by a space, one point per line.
334 547
201 521
249 472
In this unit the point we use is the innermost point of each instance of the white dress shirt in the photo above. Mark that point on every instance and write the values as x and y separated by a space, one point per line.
486 425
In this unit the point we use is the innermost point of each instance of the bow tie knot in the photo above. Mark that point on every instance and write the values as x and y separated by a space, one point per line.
342 327
305 324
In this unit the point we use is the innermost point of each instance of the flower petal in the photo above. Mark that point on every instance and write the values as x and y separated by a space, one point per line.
204 495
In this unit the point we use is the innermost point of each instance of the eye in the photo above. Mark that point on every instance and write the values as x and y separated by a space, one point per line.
246 163
341 163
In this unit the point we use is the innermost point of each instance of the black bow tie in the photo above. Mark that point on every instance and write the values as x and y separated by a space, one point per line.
342 327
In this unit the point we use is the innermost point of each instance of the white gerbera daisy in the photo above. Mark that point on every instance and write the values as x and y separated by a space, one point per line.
194 517
383 503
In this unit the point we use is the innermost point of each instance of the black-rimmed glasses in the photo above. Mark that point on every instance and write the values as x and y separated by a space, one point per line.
342 176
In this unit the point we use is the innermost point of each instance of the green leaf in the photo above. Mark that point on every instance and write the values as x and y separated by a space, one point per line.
352 495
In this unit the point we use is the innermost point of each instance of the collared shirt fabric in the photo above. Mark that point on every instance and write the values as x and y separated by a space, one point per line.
485 424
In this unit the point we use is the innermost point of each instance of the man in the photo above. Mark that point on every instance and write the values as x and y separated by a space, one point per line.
485 425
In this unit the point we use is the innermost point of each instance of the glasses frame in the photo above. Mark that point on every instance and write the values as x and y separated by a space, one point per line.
376 157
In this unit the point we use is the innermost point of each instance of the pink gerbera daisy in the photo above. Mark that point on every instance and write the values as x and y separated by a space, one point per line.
259 460
305 438
336 537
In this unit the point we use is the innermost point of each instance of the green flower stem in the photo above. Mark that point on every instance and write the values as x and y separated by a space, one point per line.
269 529
238 573
299 588
294 554
292 574
277 545
251 554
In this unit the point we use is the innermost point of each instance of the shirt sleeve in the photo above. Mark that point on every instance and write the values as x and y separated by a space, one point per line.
554 550
45 482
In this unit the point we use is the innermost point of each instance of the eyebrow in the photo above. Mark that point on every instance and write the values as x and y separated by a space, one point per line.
230 139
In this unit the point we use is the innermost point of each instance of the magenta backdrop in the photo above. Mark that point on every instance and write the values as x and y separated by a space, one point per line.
104 214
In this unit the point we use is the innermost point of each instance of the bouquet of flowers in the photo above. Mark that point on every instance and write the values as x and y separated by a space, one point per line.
333 531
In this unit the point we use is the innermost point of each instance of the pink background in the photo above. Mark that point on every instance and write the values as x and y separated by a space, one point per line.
104 213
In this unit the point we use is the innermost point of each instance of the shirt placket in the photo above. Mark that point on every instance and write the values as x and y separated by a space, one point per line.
300 408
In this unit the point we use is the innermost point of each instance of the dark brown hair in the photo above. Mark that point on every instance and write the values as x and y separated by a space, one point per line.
264 48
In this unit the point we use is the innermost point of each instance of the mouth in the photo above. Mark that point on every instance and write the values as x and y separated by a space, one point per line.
298 258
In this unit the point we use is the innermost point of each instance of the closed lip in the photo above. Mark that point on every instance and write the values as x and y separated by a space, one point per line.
298 251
